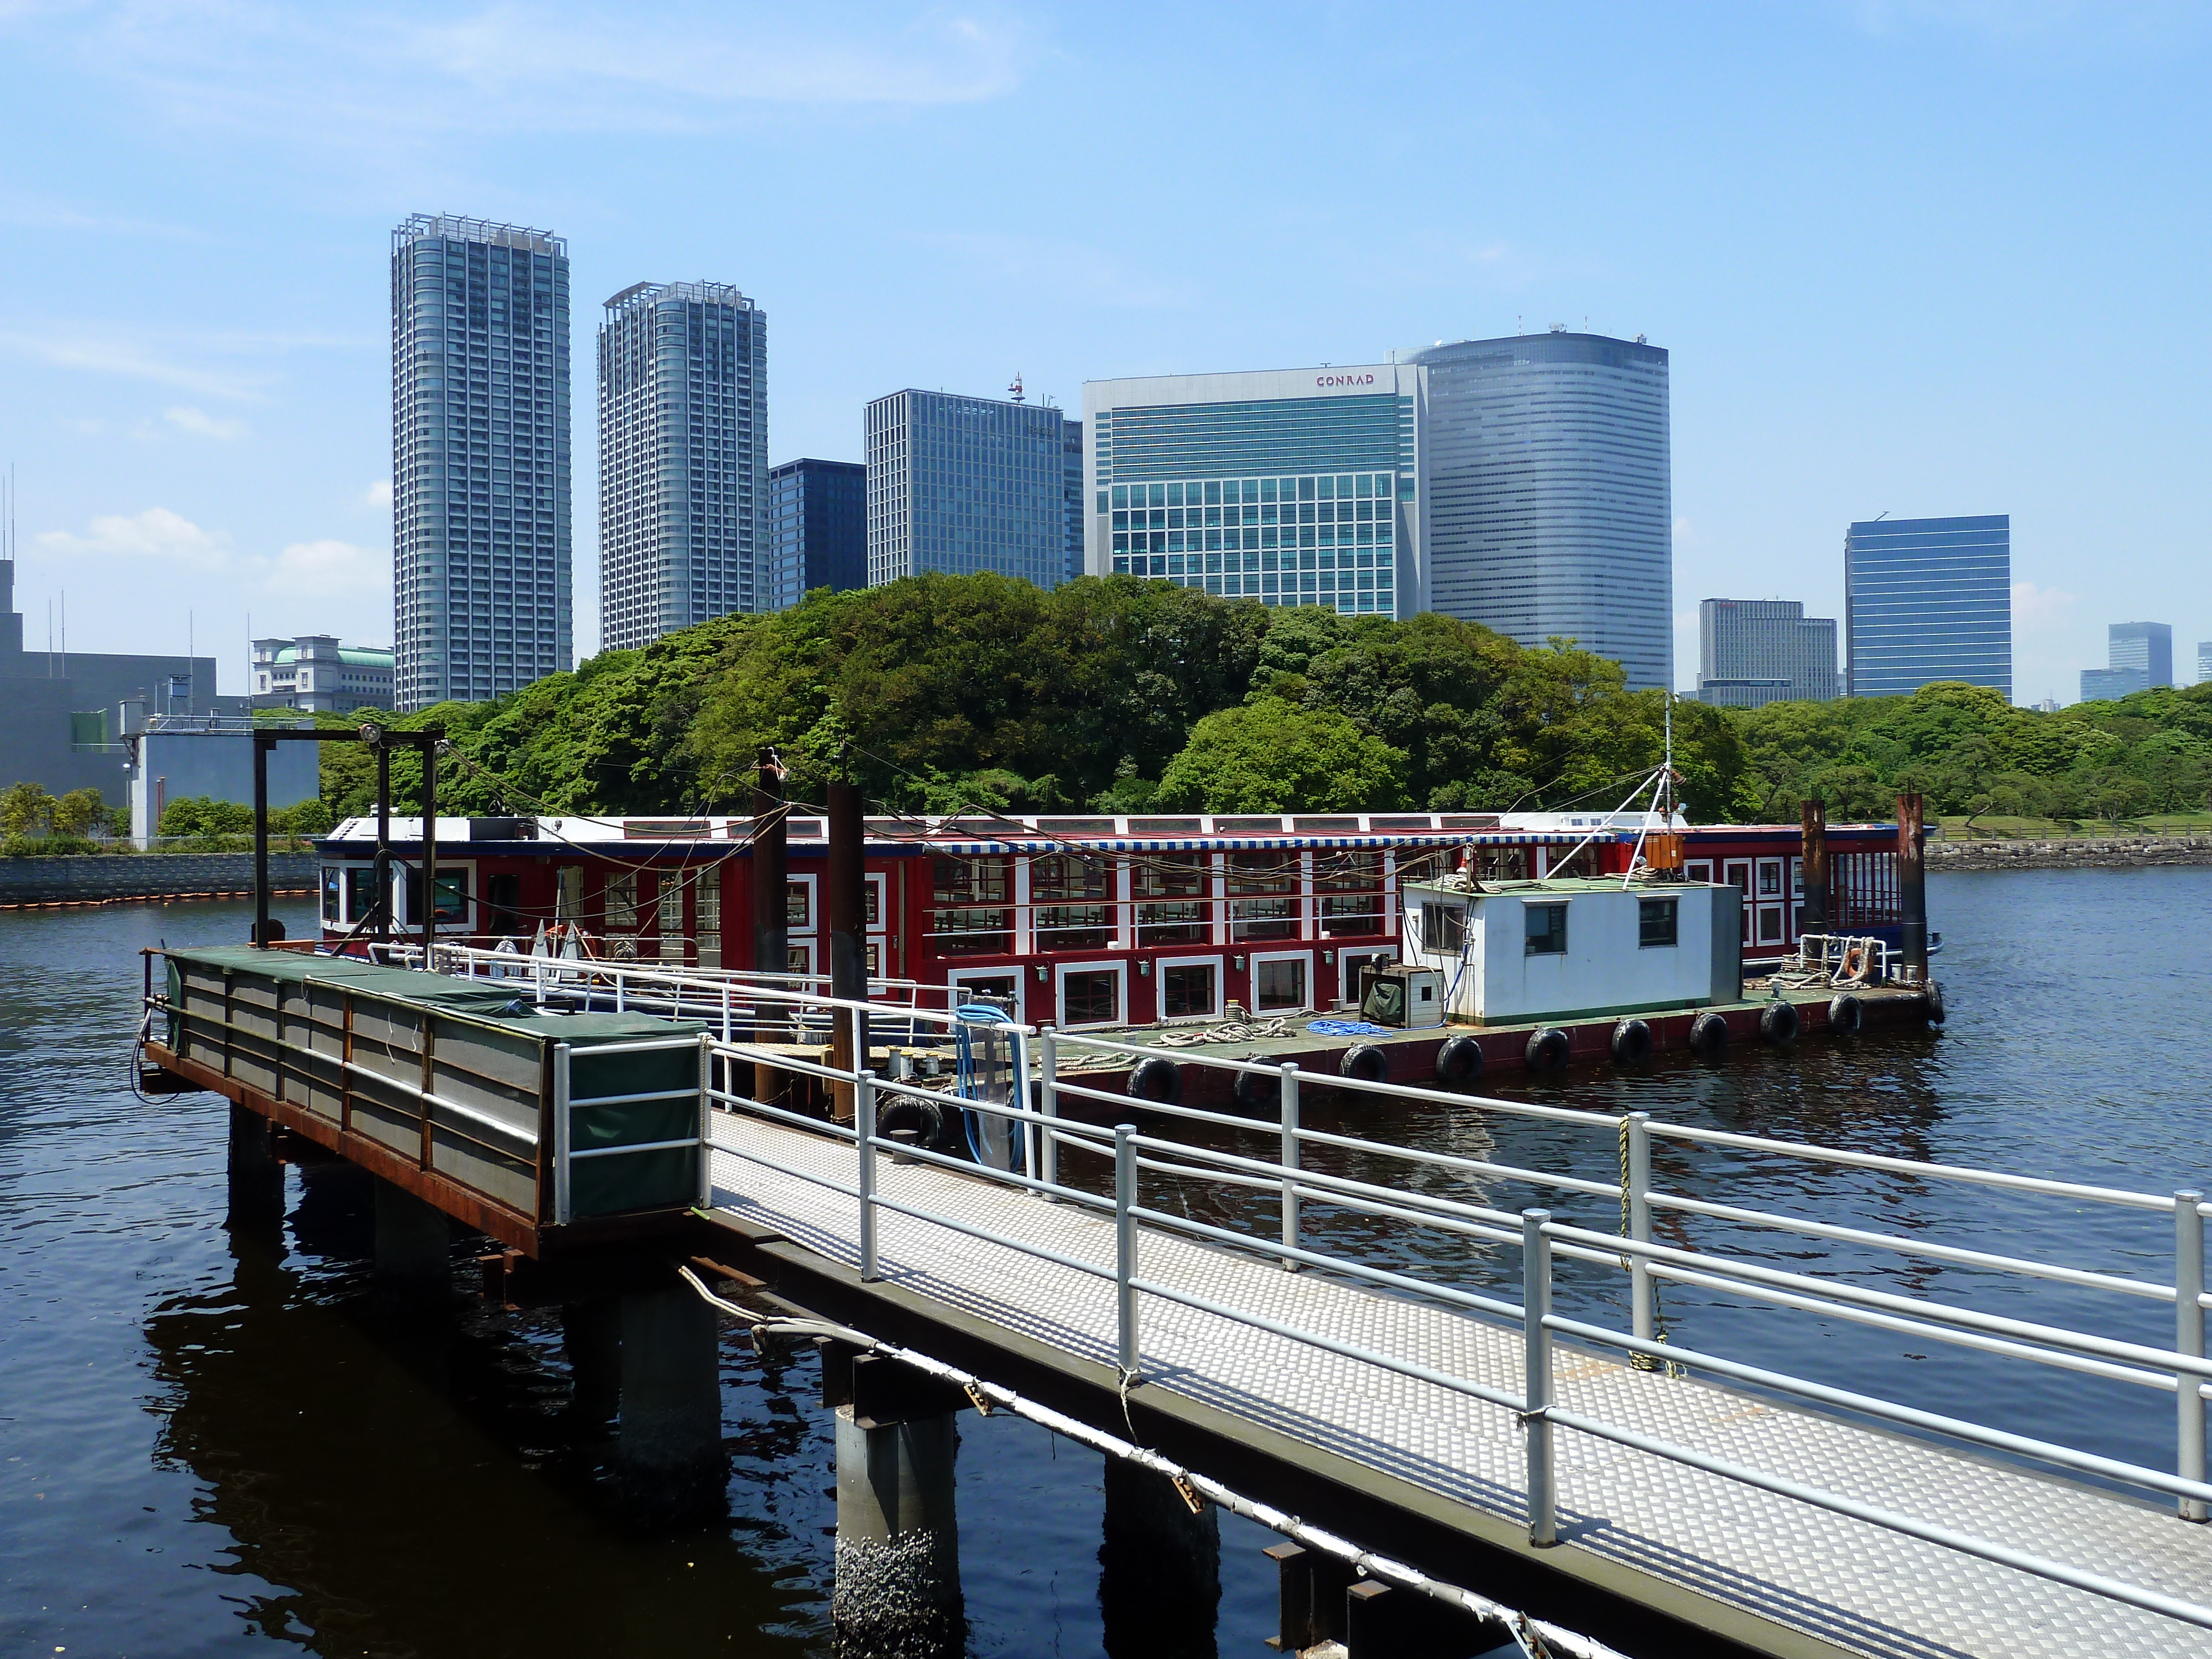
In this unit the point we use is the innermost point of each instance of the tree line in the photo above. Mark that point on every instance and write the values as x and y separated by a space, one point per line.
941 693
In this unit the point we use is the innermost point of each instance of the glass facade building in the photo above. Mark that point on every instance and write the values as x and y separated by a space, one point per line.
2137 656
1071 444
817 529
962 484
1927 599
480 529
1549 493
683 468
1751 652
1289 486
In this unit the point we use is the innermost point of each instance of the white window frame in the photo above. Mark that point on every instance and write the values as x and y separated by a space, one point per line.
882 883
1692 866
1118 967
813 904
1347 969
1220 965
403 882
1253 979
1015 971
1781 880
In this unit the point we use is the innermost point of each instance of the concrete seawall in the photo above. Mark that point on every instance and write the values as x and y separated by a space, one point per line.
2116 853
145 875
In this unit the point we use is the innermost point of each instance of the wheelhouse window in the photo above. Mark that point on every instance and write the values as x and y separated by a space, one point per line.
1071 897
1350 889
708 902
1546 925
622 916
1269 882
1444 927
1501 863
1171 890
971 917
1656 921
1187 990
798 906
668 909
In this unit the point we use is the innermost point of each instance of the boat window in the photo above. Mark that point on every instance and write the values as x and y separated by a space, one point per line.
622 900
1091 996
971 894
1261 918
1071 896
798 906
671 906
568 897
361 893
1187 991
1444 927
1280 984
332 913
1350 886
1181 879
1547 929
453 899
1656 921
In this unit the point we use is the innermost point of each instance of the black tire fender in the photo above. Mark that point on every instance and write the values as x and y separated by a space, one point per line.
1933 997
904 1111
1156 1079
1459 1061
1547 1049
1709 1035
1779 1022
1632 1042
1258 1091
1364 1063
1846 1015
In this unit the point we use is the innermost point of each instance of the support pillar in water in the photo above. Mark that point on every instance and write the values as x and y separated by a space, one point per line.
412 1240
898 1540
257 1179
668 1414
1159 1580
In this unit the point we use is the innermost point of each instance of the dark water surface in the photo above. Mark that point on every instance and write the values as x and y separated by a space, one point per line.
206 1445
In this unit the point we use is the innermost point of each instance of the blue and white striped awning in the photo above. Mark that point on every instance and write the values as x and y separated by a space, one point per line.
1257 843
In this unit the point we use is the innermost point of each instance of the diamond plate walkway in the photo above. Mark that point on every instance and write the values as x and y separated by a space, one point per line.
1858 1587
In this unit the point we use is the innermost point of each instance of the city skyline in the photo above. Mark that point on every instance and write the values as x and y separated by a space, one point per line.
1961 183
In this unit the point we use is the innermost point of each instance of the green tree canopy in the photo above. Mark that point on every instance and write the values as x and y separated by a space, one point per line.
1271 755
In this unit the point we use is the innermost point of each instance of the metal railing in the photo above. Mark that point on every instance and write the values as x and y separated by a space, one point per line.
1543 1241
565 1104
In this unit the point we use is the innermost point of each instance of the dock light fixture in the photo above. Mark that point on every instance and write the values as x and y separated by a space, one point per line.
1044 973
1328 959
1237 963
1143 967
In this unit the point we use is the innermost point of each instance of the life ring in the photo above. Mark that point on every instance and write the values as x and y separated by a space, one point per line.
1709 1035
1257 1090
1857 960
1632 1042
1779 1022
1547 1049
1459 1062
1364 1063
1846 1014
1156 1079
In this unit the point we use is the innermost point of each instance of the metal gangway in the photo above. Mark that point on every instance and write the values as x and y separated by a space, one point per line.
1775 1507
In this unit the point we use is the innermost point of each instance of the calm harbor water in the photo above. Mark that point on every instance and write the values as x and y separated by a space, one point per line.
207 1445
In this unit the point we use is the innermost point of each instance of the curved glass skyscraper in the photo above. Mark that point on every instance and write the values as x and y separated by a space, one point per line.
1548 501
479 459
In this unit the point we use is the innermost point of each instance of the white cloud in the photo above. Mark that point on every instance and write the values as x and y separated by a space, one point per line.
328 569
1684 536
156 533
100 356
377 495
2035 609
201 425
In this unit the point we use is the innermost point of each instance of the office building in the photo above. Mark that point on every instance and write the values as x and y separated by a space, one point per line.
316 674
1927 599
2137 656
682 459
1289 486
817 515
1070 442
1751 652
480 530
2203 661
963 484
1547 493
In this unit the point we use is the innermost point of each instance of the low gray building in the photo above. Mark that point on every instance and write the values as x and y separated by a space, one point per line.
177 758
1751 652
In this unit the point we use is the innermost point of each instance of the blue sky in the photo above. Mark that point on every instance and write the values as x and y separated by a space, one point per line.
1922 257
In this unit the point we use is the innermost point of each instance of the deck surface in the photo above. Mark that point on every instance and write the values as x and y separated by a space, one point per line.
1861 1587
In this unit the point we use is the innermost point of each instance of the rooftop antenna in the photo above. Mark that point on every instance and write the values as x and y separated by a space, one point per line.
1014 390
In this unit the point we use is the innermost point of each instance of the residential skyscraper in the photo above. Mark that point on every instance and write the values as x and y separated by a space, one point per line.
2203 661
1751 652
962 484
480 531
2137 656
1547 493
1071 444
1927 599
682 459
817 529
1295 486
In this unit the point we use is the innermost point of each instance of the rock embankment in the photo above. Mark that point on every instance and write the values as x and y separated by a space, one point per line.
94 880
2084 852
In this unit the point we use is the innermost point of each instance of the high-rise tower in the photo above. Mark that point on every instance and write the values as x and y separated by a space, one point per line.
1548 493
1927 599
682 459
480 531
